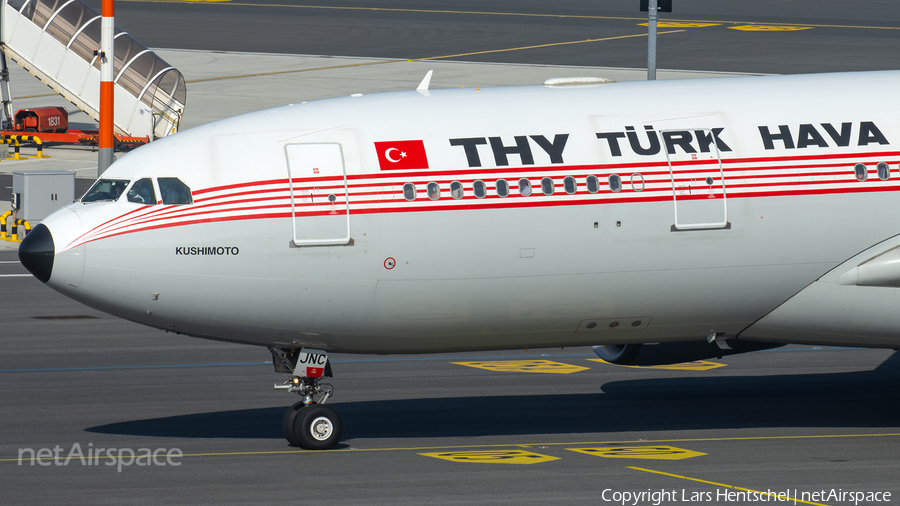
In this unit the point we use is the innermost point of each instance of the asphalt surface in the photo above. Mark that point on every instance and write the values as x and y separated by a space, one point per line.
783 37
797 419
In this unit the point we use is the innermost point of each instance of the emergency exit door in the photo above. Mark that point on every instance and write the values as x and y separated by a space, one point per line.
698 181
320 205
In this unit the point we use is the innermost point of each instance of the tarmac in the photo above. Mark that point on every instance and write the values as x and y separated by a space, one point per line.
760 36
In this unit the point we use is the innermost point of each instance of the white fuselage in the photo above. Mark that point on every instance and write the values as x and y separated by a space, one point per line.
263 256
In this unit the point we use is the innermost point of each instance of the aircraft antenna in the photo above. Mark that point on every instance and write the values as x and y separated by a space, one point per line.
423 86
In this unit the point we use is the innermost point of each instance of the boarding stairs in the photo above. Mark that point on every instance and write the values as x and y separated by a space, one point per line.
58 41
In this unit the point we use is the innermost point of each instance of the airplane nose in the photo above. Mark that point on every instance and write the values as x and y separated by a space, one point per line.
36 252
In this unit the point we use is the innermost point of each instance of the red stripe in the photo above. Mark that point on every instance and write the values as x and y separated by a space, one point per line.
573 168
104 223
663 166
659 194
187 215
335 184
812 157
240 185
252 192
610 167
196 222
213 205
505 204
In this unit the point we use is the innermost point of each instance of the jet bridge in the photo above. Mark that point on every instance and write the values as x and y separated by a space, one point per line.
58 40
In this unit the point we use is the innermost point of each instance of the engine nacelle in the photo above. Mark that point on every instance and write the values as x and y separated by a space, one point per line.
674 353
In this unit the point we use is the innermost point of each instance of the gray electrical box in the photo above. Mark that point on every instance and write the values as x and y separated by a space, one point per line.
37 193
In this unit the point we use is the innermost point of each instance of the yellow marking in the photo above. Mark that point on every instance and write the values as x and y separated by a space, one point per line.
770 494
382 62
277 72
679 24
769 28
543 45
529 445
639 452
519 14
697 365
542 366
205 0
494 457
37 96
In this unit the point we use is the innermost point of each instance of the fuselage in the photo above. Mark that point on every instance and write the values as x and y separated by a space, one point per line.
572 215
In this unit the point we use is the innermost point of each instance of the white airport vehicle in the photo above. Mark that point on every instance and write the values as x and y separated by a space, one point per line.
704 217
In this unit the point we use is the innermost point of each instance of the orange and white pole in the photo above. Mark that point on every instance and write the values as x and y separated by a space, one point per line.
106 141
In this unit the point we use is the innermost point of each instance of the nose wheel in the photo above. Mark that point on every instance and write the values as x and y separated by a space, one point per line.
313 426
309 423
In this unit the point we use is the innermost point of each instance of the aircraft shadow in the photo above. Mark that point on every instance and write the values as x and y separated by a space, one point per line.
854 399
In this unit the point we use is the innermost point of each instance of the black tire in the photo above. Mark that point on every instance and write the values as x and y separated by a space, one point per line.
318 427
287 423
621 354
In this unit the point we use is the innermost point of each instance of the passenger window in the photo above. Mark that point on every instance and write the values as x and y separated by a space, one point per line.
593 184
547 186
525 187
434 191
456 190
569 183
637 181
884 171
105 189
861 172
479 188
502 187
174 191
142 192
409 192
615 183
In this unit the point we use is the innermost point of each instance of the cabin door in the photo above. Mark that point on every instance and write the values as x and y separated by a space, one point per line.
320 205
698 179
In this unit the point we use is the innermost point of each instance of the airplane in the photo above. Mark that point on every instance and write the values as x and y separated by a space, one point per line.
657 221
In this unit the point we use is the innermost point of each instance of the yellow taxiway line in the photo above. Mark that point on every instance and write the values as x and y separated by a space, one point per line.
769 494
493 13
427 58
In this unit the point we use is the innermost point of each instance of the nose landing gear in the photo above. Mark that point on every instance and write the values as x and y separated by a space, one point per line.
309 423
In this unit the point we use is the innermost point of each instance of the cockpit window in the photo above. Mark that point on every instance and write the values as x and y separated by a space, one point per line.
142 192
105 189
174 191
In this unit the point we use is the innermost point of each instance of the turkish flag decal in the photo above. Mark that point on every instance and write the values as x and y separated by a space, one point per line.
400 155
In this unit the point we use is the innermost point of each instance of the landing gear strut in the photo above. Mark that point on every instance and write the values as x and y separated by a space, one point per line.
309 423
